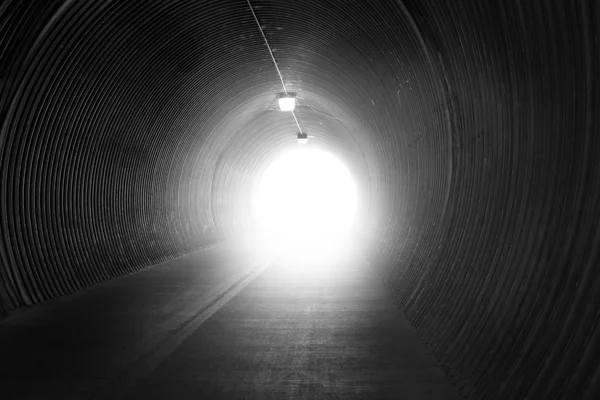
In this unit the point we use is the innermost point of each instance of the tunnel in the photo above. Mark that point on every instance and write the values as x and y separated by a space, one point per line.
135 133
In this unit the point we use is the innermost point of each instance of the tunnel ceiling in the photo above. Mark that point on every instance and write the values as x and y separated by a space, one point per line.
133 132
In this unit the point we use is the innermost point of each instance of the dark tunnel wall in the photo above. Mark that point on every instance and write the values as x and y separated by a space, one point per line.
133 132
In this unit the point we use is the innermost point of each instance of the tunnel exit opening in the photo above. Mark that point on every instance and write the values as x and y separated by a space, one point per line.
305 208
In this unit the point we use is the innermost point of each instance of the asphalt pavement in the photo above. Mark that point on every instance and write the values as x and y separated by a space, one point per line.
221 324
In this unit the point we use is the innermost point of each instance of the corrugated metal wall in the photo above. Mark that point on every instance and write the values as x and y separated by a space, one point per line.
132 132
505 287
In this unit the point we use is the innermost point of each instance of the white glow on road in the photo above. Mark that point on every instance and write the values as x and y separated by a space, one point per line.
305 209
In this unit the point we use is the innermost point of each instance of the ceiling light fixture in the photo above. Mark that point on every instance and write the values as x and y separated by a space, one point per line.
302 138
287 101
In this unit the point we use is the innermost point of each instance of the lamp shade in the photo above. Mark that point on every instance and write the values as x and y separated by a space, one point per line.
302 138
287 103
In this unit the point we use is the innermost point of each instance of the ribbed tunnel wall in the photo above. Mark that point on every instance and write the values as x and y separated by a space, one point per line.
133 132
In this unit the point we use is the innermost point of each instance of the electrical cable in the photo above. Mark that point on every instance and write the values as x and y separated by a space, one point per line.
273 58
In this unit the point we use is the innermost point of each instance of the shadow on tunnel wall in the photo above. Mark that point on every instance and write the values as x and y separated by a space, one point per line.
131 132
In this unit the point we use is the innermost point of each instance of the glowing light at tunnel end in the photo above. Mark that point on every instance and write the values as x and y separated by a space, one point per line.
304 209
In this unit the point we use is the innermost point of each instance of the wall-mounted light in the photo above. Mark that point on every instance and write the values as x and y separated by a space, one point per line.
302 138
287 101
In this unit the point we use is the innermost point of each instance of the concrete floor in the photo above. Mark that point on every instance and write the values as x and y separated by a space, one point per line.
216 325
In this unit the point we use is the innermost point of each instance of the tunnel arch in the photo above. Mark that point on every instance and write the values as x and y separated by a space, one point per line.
131 130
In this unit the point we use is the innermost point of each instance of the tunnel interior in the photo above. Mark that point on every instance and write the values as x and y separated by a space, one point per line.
135 132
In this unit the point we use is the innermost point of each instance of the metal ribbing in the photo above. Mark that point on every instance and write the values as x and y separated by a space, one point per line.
133 131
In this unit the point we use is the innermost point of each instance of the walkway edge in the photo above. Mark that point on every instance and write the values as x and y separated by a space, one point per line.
119 386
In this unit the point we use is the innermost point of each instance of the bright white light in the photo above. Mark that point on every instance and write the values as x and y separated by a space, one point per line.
305 209
287 103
